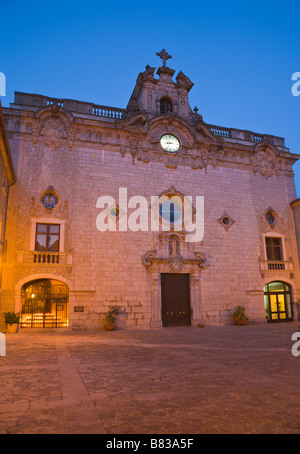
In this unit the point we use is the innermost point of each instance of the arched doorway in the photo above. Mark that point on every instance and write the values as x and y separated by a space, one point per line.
44 304
278 302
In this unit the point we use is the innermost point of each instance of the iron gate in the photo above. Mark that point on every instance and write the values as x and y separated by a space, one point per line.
44 304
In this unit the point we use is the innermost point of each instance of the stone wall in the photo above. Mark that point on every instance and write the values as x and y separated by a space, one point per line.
81 158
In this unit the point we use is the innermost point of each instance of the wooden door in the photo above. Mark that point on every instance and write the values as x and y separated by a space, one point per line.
175 292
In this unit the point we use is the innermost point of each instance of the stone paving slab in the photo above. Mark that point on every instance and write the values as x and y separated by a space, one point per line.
172 381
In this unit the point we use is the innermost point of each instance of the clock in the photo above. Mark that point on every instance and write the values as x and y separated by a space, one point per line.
169 143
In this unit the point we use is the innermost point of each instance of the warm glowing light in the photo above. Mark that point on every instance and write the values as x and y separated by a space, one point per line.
33 295
40 319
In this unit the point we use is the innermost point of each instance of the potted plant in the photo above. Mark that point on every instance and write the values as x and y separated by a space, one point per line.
239 316
110 318
12 321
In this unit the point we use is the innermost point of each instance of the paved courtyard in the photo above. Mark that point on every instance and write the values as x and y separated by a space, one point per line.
171 381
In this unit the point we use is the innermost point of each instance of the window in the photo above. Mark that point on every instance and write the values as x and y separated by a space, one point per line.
226 221
47 237
114 212
274 248
170 211
165 106
270 218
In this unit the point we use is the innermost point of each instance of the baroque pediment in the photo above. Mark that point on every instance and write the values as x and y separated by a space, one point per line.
54 111
174 252
190 135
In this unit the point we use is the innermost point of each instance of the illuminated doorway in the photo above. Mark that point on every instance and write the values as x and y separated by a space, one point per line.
278 302
44 304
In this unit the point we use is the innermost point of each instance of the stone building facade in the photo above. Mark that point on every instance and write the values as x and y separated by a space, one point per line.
7 179
62 268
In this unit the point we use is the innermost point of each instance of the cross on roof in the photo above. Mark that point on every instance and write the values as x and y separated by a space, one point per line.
164 56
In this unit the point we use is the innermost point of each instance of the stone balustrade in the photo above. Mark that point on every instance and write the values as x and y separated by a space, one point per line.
46 258
108 112
276 265
116 113
249 136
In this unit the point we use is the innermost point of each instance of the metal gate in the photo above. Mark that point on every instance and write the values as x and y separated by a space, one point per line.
44 304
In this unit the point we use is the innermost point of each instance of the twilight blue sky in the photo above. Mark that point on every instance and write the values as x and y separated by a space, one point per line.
240 55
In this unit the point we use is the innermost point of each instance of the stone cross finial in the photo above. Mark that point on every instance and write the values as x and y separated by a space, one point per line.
164 56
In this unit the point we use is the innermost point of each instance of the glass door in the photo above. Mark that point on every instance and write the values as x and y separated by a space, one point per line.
278 306
278 310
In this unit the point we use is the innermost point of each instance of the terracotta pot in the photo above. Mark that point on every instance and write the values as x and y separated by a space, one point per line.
201 325
12 328
110 327
242 322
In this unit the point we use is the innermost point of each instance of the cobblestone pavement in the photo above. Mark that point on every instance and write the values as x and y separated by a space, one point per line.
172 381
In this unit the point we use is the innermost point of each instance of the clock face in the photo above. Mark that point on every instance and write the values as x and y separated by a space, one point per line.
170 143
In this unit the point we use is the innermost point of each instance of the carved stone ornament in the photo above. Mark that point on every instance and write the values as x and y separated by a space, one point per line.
175 253
34 208
134 146
176 263
270 217
35 134
53 132
272 221
72 131
49 199
263 161
175 259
